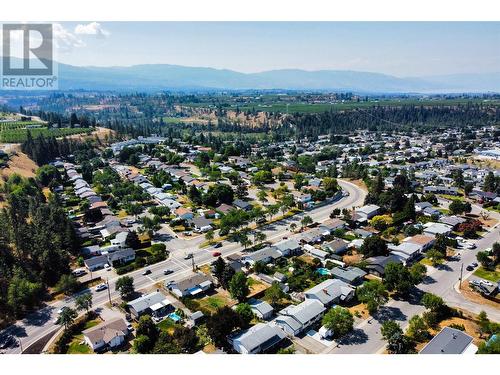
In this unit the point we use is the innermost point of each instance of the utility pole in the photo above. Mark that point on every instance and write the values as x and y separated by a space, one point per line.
21 345
192 262
461 275
109 293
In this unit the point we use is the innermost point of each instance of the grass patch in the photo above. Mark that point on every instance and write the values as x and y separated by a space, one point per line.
493 276
76 346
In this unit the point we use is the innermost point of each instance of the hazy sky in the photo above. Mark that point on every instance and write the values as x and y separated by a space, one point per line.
401 49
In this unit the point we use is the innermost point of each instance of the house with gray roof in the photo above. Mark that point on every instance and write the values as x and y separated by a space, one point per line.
155 304
336 246
294 319
111 333
450 341
95 263
330 292
266 255
261 309
257 339
350 275
192 286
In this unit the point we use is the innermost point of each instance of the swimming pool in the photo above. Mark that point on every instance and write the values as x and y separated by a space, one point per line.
174 316
323 271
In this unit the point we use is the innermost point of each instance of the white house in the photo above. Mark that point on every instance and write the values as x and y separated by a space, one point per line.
111 333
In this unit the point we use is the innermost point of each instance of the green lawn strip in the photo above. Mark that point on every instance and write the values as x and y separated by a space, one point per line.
493 276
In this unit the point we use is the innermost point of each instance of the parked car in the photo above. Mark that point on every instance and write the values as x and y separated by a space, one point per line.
107 267
216 254
217 245
146 272
129 327
469 268
128 317
485 282
474 282
79 272
168 272
101 287
474 264
169 284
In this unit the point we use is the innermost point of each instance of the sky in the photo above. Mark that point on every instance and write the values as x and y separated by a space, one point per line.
403 49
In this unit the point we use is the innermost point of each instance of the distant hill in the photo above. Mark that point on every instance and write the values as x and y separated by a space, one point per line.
164 76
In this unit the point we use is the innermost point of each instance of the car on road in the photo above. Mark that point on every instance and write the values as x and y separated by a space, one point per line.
188 256
101 287
168 272
217 245
107 267
7 342
146 272
474 264
470 268
216 254
285 237
187 233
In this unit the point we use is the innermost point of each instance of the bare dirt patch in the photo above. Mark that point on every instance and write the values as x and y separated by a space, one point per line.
21 164
473 296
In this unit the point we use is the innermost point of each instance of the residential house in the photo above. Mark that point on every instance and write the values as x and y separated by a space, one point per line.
261 309
350 275
242 205
294 319
450 341
330 292
111 334
376 265
266 255
426 242
154 304
96 263
433 229
192 286
336 246
121 257
184 213
407 251
257 339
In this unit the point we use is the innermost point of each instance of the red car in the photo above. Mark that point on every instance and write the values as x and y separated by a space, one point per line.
216 254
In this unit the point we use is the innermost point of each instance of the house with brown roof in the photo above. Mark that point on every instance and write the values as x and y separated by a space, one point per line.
111 333
426 242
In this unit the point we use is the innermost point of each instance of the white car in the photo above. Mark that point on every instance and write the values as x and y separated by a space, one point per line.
101 287
484 282
107 267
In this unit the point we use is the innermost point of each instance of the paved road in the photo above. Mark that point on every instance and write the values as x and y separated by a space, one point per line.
40 323
442 281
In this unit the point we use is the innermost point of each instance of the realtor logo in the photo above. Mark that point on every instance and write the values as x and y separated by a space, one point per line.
27 57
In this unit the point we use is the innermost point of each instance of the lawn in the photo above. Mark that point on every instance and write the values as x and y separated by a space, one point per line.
75 347
493 276
166 325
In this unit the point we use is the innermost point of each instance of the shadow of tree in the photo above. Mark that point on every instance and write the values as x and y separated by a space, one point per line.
355 337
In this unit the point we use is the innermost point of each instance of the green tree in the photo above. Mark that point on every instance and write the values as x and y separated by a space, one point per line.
142 344
67 284
274 294
238 286
373 246
418 329
209 236
339 320
397 342
221 324
67 317
246 313
436 257
305 221
84 302
398 278
125 286
373 293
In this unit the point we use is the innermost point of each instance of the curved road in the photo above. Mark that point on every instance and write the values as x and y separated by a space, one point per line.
41 323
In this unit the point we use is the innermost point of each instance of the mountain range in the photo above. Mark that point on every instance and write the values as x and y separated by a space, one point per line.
152 77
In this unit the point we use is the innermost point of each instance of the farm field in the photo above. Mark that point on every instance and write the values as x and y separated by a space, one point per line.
14 134
275 106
